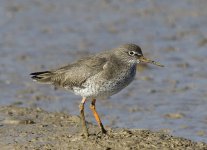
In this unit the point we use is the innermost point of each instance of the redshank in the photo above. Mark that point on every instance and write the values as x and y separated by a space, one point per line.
97 76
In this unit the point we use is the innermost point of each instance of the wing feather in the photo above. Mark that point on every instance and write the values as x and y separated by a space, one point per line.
77 73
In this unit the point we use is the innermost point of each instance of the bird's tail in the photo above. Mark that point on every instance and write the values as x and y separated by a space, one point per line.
42 77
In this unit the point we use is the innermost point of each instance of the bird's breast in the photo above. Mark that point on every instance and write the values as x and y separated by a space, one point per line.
99 86
122 79
125 77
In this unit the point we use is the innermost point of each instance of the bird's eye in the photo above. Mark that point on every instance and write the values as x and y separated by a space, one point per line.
132 53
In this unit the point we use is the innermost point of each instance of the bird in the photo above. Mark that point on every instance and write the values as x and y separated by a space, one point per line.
96 76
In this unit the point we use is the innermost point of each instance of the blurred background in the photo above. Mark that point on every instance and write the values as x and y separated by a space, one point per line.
37 35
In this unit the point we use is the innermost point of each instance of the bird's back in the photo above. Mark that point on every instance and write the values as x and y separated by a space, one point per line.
74 74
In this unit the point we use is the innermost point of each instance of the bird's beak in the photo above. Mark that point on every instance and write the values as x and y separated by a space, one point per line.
146 60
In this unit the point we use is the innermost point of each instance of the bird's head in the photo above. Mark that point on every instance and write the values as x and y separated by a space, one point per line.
132 53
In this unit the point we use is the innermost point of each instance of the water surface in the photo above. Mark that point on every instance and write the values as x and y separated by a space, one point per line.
39 35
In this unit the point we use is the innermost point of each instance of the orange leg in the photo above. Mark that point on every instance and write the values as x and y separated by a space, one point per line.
98 120
81 107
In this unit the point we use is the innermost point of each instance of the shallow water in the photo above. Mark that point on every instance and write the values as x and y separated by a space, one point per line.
43 34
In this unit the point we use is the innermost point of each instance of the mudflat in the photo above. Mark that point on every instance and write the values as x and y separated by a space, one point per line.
33 128
37 35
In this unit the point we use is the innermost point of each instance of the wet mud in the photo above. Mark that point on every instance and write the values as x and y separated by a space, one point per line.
27 128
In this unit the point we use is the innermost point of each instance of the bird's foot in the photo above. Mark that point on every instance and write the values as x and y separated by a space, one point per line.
102 134
85 132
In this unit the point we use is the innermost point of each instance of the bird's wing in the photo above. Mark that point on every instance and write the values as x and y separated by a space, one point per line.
77 73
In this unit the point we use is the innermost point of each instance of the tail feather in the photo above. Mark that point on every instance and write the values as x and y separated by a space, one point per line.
43 77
